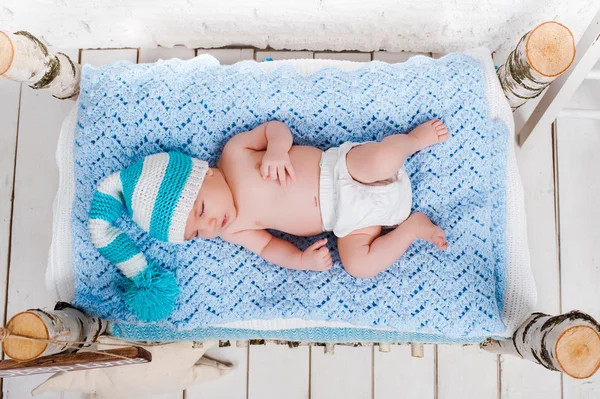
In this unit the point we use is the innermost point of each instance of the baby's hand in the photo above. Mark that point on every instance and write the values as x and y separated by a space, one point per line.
317 257
275 164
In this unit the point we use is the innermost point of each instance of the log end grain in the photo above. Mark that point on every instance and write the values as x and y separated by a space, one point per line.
578 351
7 53
550 49
29 325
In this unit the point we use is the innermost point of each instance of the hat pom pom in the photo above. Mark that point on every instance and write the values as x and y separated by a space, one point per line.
151 294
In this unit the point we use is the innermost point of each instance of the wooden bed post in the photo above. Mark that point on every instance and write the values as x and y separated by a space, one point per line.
25 59
540 57
569 343
588 53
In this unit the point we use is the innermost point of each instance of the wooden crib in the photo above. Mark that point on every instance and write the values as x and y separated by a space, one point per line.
544 57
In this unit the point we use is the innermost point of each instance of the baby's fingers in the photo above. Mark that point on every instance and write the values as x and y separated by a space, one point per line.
273 172
264 170
281 173
324 252
317 245
290 170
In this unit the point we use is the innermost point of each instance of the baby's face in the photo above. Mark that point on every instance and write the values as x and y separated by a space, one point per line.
214 209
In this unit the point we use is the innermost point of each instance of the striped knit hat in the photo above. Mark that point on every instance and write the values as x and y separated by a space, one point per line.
158 193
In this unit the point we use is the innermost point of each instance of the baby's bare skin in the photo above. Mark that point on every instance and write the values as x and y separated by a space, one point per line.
264 182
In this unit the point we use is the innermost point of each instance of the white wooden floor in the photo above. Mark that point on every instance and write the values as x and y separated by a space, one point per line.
559 171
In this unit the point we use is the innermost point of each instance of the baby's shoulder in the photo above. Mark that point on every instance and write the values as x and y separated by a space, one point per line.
233 155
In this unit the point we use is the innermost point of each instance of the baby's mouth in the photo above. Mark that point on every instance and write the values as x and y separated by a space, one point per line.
224 221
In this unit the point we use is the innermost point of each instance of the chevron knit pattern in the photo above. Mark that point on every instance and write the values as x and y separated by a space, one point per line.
130 111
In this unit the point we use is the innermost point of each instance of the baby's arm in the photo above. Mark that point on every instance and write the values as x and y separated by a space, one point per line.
273 137
282 253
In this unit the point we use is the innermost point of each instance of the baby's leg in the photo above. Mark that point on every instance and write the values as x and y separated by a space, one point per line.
372 162
364 253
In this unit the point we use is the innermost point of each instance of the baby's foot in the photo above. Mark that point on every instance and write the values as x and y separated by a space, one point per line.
425 230
430 133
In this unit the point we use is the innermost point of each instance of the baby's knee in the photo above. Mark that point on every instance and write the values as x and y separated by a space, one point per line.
356 267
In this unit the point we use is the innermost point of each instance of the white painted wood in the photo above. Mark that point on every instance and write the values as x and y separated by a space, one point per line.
36 182
392 57
579 188
174 395
40 119
228 56
580 113
277 371
282 55
348 56
466 372
593 74
231 386
559 92
536 170
9 116
346 374
10 93
103 57
147 55
76 395
521 378
397 372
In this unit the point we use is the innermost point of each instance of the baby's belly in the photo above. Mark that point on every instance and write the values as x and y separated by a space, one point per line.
299 212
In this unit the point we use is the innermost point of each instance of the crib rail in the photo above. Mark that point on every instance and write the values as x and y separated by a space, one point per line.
542 55
569 343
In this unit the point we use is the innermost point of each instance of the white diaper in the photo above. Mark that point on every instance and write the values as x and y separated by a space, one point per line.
347 205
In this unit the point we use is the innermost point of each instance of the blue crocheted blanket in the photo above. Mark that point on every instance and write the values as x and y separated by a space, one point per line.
129 111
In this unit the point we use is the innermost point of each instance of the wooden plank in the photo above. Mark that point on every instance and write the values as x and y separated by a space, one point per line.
282 55
10 93
35 187
103 57
520 378
579 188
75 395
345 374
148 55
466 372
277 371
174 395
228 56
232 386
347 56
397 371
40 119
392 57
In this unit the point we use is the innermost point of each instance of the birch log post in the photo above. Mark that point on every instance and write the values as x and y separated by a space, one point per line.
25 59
541 56
569 343
65 324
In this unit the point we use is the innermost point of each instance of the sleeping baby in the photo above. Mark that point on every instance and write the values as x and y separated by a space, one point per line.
262 181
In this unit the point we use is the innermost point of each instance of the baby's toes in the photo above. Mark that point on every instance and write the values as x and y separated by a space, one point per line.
440 242
442 132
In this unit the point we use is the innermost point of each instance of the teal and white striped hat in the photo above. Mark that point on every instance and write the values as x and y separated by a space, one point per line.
158 192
